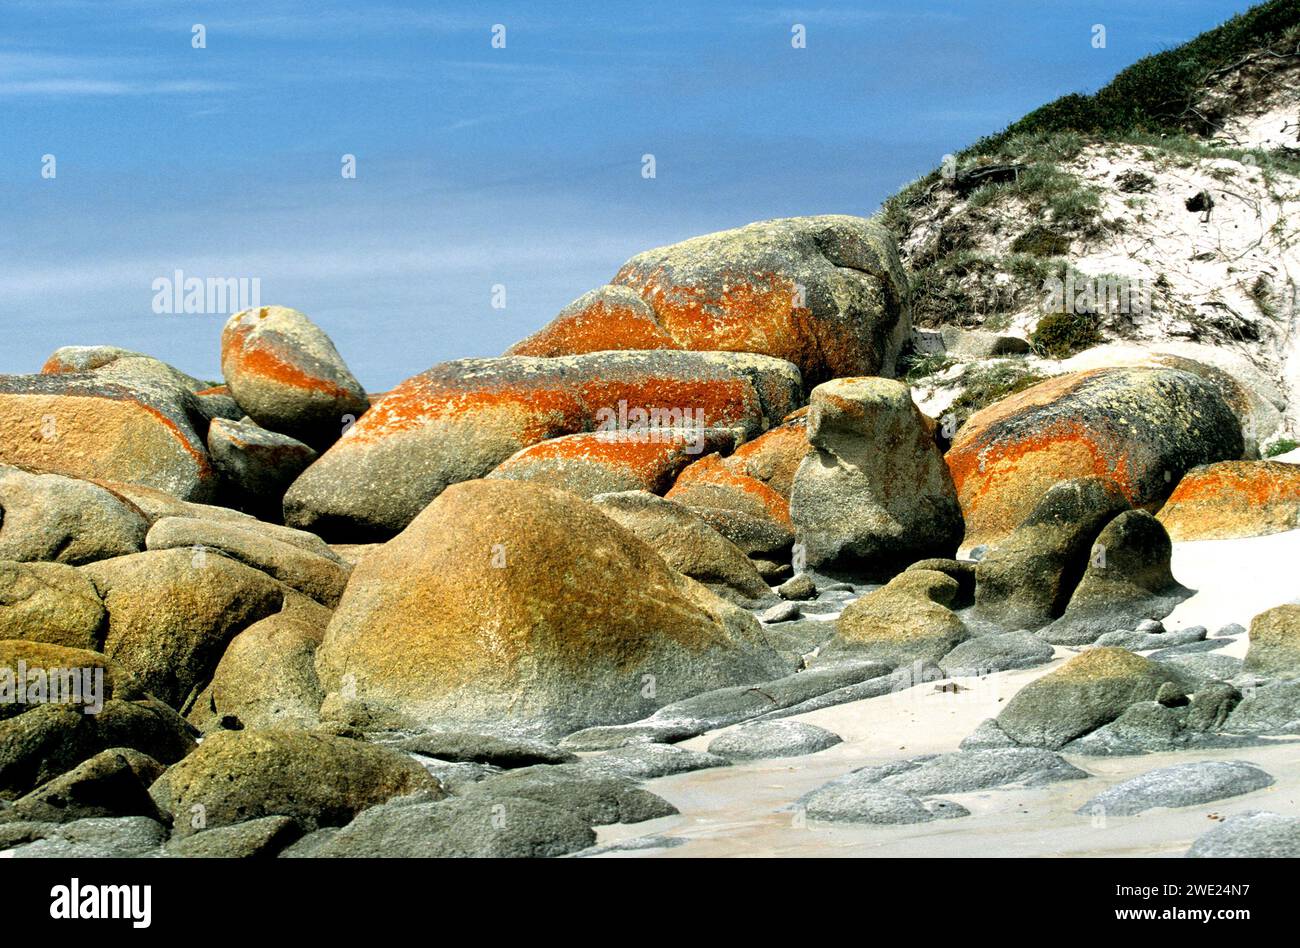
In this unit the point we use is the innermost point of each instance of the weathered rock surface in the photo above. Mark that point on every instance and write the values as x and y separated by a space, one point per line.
112 783
1086 692
743 509
1234 499
480 828
1254 835
1268 709
483 615
267 675
313 778
459 420
873 495
870 802
318 572
51 517
684 541
286 374
255 466
171 614
95 838
603 462
50 602
763 739
1182 785
1127 579
1028 579
466 747
997 652
600 320
908 620
260 838
1275 643
136 428
826 293
1140 427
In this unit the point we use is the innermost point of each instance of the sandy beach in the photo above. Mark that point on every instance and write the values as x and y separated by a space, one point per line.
743 810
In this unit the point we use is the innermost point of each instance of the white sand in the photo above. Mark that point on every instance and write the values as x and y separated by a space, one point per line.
737 810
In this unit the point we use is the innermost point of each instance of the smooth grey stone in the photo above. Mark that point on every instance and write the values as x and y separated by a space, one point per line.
500 827
1141 641
986 654
97 837
263 837
798 588
1254 835
857 802
966 771
1182 785
987 736
464 747
647 761
781 612
760 740
598 798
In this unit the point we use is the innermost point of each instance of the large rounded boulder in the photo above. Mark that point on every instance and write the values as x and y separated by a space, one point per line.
1091 689
873 495
608 317
52 517
1140 427
459 420
1234 499
124 422
285 372
511 606
826 293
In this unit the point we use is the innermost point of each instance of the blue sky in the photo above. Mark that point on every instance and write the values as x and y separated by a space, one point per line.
475 166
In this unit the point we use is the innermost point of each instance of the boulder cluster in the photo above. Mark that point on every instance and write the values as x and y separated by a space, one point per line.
330 623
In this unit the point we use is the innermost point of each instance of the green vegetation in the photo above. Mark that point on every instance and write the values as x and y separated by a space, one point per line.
1158 93
1281 446
1061 335
984 384
1039 241
965 288
913 365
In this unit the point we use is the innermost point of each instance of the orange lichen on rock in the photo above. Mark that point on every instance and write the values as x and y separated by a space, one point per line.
710 483
271 359
603 462
610 317
1234 499
774 456
1140 427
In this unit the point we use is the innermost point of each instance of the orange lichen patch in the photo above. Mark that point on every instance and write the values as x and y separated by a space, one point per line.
541 412
709 483
773 457
261 358
998 484
747 312
56 366
1234 499
630 460
601 326
96 431
214 390
1044 393
715 402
